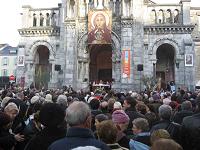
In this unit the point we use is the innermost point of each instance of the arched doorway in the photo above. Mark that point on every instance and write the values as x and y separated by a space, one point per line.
165 66
100 63
42 67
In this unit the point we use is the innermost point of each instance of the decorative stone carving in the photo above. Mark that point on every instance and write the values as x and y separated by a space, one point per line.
161 41
168 29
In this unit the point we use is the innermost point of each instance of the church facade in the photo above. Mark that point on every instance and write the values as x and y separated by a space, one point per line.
148 40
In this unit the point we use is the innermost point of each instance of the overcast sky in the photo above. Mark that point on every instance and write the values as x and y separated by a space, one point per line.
10 15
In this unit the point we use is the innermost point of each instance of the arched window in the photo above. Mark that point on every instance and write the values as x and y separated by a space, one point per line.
41 19
34 20
153 17
47 19
176 16
168 16
160 16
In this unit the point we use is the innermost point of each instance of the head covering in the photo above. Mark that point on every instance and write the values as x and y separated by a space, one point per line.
117 105
5 101
11 106
35 99
119 116
48 98
4 119
101 117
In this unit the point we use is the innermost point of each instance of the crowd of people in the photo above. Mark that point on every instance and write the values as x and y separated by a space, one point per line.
65 119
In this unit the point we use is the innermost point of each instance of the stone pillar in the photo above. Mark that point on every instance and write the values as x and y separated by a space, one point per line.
25 17
100 4
124 11
106 3
95 3
186 11
38 19
114 6
87 6
82 8
87 71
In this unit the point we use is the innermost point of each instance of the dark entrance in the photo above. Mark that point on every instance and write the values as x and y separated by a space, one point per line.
42 67
100 63
165 66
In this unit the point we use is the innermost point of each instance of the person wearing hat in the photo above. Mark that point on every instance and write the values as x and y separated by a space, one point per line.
121 120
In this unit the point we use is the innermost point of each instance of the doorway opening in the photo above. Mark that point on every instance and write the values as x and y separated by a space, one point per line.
165 66
42 67
100 63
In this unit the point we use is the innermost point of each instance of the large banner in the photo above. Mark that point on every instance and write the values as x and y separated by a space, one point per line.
126 62
99 26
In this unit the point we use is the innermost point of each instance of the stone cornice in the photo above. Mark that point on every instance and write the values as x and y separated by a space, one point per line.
162 29
40 31
127 23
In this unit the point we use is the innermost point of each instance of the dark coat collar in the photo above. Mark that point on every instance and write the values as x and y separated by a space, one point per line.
80 132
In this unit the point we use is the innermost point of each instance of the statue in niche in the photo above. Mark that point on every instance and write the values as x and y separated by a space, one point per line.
176 16
53 19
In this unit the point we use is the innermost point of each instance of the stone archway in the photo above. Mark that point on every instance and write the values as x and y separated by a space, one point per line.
83 60
34 59
175 55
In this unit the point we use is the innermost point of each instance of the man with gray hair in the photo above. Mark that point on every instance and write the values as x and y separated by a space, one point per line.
165 112
78 117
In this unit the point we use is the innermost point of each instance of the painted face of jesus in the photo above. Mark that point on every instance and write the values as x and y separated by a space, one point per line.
100 21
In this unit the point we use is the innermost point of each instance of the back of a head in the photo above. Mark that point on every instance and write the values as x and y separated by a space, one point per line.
159 134
141 124
166 144
131 100
94 104
186 105
62 100
107 132
77 113
165 112
101 117
86 148
51 115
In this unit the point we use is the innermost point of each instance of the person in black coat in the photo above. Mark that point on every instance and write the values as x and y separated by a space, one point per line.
79 134
129 105
51 117
165 112
190 131
186 110
7 140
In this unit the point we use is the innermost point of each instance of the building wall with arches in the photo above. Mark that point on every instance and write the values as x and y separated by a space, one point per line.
137 25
